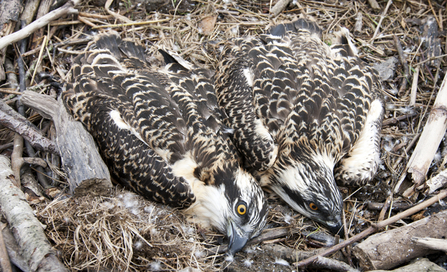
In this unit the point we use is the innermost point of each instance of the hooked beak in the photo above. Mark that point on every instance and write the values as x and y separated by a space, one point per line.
238 238
336 226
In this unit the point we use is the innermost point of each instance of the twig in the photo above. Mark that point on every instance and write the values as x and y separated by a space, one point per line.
404 63
132 24
414 86
374 227
279 7
15 122
394 120
27 230
434 14
9 91
116 15
41 22
333 265
39 59
380 21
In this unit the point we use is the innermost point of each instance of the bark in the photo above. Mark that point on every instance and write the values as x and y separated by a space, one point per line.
389 249
13 250
27 230
4 258
16 122
86 171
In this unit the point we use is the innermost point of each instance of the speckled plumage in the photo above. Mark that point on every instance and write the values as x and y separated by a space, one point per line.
299 108
159 130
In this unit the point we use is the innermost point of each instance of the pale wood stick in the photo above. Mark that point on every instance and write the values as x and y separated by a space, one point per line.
28 231
432 243
376 227
380 21
430 138
41 22
414 86
279 7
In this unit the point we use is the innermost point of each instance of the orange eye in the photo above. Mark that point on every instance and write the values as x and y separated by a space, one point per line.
313 206
241 209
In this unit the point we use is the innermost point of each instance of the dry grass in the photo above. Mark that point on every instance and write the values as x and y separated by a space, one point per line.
126 232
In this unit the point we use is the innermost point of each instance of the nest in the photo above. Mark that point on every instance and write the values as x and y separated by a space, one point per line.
123 231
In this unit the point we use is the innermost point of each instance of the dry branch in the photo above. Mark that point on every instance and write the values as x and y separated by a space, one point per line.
431 243
41 22
389 249
16 122
87 173
377 226
13 250
34 246
29 11
333 265
279 7
431 136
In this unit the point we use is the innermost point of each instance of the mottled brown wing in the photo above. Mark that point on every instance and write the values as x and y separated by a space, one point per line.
138 127
300 90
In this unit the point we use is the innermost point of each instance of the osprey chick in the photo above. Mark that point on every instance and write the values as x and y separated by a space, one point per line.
299 108
159 131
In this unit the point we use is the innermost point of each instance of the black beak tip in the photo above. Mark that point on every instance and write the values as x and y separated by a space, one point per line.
337 229
237 241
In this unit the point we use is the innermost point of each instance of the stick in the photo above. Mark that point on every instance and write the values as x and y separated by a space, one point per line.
389 249
414 86
432 243
41 22
333 265
279 7
431 137
380 21
16 122
116 15
87 172
374 227
404 63
34 246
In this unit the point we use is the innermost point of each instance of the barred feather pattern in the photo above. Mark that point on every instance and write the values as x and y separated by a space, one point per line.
314 101
145 120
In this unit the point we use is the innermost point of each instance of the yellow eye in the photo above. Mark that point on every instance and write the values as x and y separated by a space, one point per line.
241 209
313 206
